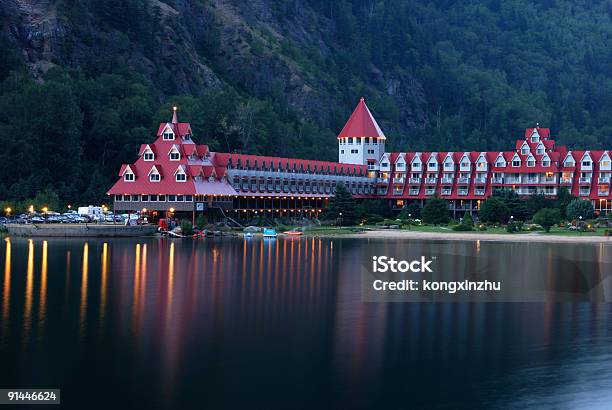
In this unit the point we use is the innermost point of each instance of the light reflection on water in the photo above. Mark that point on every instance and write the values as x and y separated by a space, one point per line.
248 317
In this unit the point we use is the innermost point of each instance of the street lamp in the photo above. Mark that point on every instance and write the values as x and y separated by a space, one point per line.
8 211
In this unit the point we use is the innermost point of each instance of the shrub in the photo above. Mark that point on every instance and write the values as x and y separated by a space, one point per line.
547 217
580 208
435 211
186 227
462 228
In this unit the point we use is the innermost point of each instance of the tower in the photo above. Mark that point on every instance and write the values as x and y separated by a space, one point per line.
361 141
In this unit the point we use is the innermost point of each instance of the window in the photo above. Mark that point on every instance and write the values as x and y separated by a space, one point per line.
525 150
175 156
188 198
354 151
118 198
180 198
416 165
545 163
162 198
570 163
400 165
535 138
540 150
531 163
350 140
180 177
605 164
154 177
135 198
153 198
482 165
432 165
384 164
500 164
342 151
168 136
144 198
187 137
516 163
371 151
171 198
128 177
148 156
586 163
127 198
367 140
374 141
465 164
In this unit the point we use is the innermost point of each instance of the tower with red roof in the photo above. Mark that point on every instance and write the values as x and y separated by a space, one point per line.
361 141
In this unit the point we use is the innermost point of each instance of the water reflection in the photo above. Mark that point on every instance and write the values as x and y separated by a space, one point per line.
241 314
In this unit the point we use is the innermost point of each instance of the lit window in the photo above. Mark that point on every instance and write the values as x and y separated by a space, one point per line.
605 164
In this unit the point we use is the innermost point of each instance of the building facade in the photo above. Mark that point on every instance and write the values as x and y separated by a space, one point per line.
174 175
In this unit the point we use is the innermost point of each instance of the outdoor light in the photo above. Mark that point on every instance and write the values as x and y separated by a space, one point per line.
45 210
144 210
8 210
171 210
31 209
69 206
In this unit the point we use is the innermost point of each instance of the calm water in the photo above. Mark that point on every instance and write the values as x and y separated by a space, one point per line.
229 323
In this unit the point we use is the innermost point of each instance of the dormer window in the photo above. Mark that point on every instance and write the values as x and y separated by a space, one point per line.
416 165
129 177
149 156
516 163
525 150
465 164
187 137
586 163
531 162
175 156
168 135
432 165
154 177
181 177
500 164
384 164
545 162
540 149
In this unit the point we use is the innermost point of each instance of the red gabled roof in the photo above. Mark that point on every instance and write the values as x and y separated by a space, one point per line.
361 124
543 132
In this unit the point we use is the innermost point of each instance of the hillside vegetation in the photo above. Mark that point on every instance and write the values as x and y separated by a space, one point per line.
83 83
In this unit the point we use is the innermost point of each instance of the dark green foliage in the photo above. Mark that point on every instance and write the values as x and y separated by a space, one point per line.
435 211
547 217
468 220
373 207
494 210
412 211
186 227
580 208
342 207
201 222
564 197
537 202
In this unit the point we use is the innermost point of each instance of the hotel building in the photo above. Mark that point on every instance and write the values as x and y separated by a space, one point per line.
173 174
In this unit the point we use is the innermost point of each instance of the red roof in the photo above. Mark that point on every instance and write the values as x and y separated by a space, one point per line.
361 124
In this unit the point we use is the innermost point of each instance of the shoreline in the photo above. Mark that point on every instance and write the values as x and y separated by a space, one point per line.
470 236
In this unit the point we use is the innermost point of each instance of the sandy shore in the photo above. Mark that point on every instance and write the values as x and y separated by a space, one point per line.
475 236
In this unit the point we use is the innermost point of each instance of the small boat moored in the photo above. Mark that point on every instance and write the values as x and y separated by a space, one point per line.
269 233
293 233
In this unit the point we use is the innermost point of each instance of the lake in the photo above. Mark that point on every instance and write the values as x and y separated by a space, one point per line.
231 323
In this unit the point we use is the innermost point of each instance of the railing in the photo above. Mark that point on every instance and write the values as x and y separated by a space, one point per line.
430 191
497 180
463 180
603 193
415 180
446 191
447 180
431 180
604 180
399 180
414 191
383 180
585 180
566 180
532 180
549 180
480 180
513 180
479 192
584 192
463 192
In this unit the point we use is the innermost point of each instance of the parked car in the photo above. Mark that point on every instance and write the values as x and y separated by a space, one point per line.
3 220
37 219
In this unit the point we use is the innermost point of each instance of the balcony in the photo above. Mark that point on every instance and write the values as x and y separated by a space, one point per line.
601 192
397 191
497 180
446 191
584 192
430 191
585 180
447 180
549 180
604 180
462 191
480 180
464 180
479 192
414 191
511 180
531 180
527 191
431 180
565 180
399 180
382 181
415 180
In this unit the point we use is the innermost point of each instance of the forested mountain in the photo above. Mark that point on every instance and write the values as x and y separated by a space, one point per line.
83 83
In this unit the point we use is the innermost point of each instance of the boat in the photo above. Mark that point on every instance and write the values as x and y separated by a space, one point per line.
248 234
293 233
269 233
